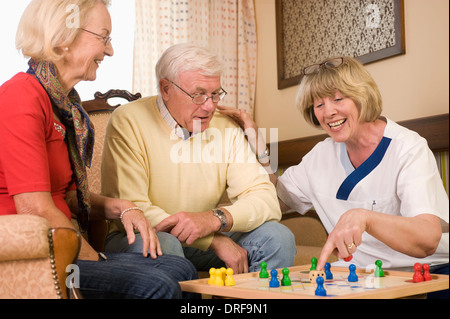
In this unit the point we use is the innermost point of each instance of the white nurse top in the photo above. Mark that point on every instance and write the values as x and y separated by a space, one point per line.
400 178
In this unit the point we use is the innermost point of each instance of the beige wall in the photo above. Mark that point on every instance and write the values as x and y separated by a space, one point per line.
413 85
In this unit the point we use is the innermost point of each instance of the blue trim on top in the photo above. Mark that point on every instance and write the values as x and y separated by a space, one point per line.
363 170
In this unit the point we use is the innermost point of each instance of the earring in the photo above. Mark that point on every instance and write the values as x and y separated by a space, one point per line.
66 49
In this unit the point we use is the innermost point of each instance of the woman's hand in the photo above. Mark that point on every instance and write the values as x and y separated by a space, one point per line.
133 219
244 120
417 236
345 237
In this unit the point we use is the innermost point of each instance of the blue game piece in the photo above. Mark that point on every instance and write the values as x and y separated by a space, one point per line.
274 283
328 274
352 277
320 290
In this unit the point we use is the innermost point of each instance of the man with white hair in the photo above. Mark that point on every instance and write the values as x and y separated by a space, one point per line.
174 157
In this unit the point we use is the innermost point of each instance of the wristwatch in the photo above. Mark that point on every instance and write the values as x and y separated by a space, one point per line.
264 155
223 219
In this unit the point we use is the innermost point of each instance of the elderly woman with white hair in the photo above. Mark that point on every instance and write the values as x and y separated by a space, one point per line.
46 142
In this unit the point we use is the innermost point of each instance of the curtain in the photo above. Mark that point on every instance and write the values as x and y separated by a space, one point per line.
227 28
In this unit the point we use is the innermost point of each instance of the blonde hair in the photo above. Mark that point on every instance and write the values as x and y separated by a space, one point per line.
48 24
351 79
184 57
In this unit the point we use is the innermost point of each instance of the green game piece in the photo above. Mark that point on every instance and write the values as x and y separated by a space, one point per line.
313 263
378 271
263 273
286 281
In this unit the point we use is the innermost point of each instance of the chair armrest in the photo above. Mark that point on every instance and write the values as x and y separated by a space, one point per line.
23 237
30 248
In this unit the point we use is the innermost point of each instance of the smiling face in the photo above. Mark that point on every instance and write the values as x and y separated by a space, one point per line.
338 116
180 105
83 57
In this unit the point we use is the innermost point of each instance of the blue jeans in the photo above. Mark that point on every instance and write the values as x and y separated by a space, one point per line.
271 242
133 276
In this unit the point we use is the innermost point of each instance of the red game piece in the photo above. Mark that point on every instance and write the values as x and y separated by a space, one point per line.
418 277
348 258
426 272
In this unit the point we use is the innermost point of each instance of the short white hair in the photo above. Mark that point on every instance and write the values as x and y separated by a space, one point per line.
184 57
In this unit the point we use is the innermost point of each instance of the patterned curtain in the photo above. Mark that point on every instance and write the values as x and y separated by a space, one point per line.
227 28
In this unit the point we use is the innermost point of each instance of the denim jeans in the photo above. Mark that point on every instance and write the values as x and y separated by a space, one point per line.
271 242
133 276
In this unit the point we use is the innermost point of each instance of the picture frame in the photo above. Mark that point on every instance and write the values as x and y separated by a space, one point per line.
309 31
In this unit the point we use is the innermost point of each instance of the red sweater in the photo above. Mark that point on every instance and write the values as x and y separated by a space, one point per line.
33 153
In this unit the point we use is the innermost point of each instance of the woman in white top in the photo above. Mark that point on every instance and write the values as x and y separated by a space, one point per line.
374 184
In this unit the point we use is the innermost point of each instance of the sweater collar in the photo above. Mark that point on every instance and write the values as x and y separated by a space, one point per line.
170 121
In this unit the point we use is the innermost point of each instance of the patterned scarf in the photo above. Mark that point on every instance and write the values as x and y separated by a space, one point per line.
80 133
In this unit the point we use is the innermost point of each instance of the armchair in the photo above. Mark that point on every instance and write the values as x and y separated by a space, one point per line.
34 258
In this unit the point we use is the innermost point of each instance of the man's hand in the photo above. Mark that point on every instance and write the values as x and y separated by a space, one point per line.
188 227
233 255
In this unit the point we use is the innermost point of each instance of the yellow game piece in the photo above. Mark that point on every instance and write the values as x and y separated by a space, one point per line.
229 281
218 281
224 273
212 275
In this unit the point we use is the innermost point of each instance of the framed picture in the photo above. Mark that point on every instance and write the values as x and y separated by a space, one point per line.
309 31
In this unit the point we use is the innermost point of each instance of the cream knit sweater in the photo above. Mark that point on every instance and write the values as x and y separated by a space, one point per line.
143 161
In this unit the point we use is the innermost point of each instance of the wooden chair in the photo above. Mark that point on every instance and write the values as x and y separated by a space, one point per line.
99 111
34 258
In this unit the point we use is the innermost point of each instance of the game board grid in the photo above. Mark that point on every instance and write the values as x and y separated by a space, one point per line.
338 286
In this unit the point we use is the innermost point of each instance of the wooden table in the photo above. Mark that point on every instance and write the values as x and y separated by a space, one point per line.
395 284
